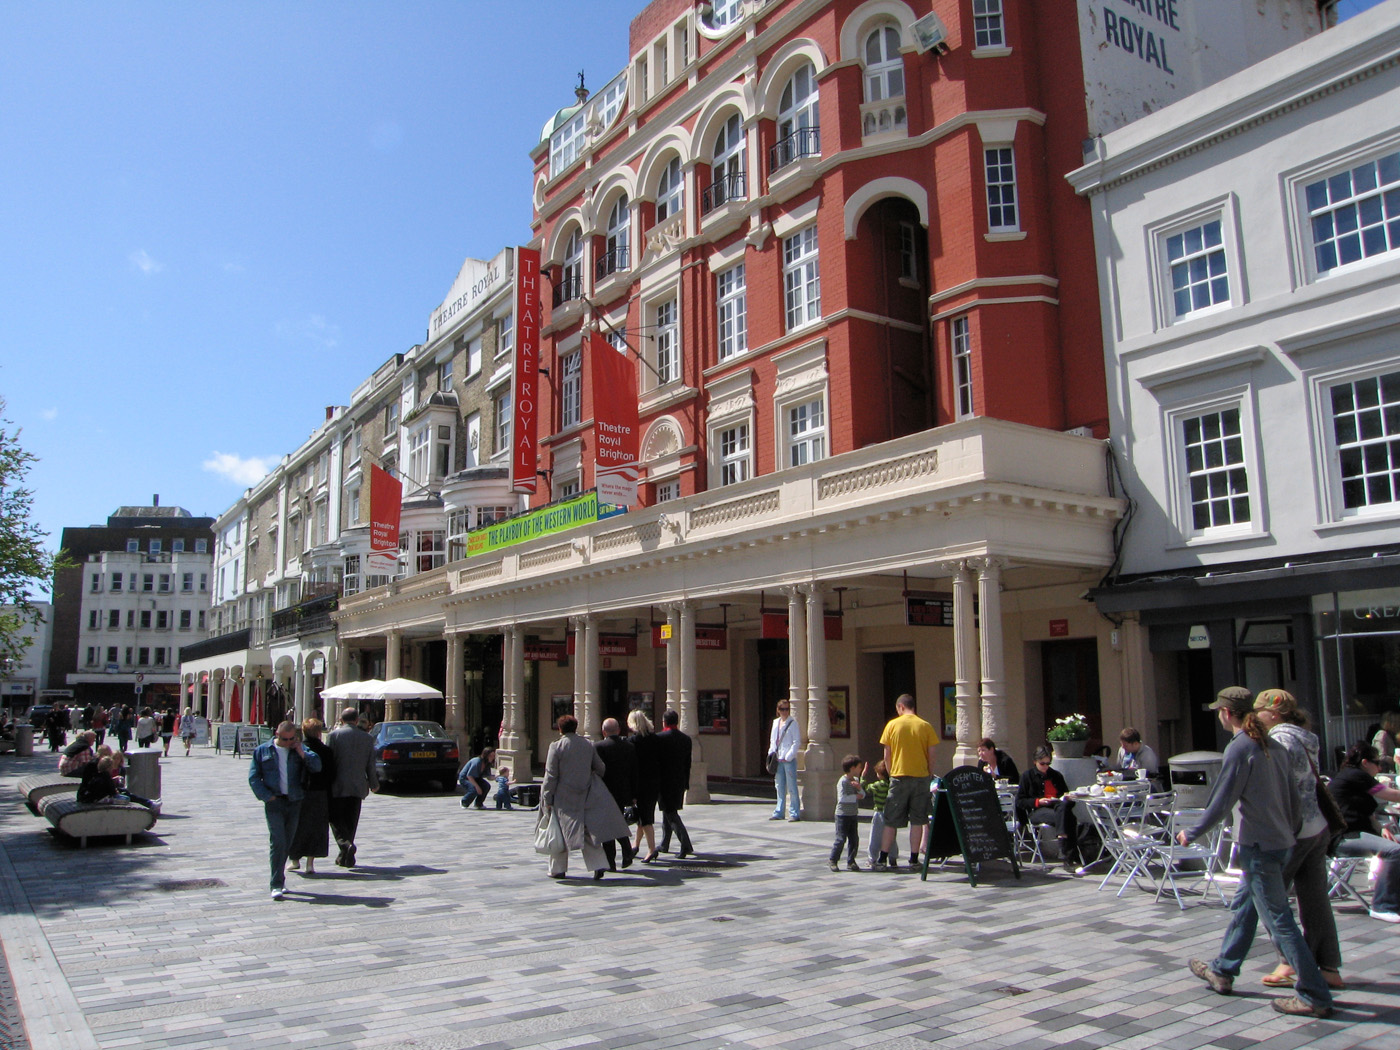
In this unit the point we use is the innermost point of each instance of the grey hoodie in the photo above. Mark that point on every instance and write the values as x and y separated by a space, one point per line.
1302 761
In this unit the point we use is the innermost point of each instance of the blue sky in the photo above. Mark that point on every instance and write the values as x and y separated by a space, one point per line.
216 219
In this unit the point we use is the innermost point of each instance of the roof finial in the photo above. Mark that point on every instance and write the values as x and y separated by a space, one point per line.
581 92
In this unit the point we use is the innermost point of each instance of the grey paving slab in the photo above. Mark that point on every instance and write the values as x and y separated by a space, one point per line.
451 937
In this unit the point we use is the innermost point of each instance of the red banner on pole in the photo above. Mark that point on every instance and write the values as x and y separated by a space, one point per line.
524 396
385 503
615 427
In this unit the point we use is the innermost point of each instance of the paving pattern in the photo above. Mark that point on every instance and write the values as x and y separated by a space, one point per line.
450 936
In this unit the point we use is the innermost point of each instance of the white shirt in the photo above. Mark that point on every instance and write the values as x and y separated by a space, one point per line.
785 739
281 753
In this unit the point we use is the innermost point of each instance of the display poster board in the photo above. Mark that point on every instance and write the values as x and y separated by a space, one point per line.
201 731
713 711
560 704
644 701
967 804
948 709
838 701
243 739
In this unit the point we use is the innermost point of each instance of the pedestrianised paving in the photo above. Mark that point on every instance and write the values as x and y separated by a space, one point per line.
450 936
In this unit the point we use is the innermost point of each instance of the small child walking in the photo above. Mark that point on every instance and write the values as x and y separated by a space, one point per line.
848 796
502 795
877 790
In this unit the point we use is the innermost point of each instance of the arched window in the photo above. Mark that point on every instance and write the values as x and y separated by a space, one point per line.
570 283
799 133
616 255
670 190
884 66
728 181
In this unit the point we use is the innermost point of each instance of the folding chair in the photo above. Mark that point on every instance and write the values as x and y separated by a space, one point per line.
1025 838
1204 852
1339 873
1107 815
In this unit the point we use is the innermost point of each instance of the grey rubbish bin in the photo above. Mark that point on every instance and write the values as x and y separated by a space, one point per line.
1193 776
24 740
143 772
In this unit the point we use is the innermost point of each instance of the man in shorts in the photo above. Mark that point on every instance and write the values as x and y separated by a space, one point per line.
908 742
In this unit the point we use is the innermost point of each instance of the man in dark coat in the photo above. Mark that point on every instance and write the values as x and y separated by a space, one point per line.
621 778
355 777
675 782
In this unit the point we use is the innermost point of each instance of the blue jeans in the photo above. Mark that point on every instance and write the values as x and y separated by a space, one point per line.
282 815
877 834
1262 892
1387 896
785 783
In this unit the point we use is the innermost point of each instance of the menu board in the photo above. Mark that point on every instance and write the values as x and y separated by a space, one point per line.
967 815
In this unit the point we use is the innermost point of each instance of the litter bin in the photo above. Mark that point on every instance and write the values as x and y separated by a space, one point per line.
24 740
143 772
1193 775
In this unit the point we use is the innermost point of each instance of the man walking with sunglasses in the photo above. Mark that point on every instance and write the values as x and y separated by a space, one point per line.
275 777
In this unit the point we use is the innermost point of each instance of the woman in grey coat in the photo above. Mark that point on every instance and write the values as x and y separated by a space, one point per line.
573 789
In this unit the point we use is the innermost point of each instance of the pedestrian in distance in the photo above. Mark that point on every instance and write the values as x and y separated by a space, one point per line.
125 723
909 744
676 748
168 719
848 796
99 723
146 728
647 744
877 790
313 827
620 775
474 780
189 729
784 741
1255 776
502 794
574 792
275 775
355 777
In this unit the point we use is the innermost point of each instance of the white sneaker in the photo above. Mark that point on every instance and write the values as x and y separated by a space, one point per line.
1385 916
277 895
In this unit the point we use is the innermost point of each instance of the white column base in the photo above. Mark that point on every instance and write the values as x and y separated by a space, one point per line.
817 782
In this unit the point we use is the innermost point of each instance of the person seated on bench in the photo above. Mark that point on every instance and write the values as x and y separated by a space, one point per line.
102 783
78 755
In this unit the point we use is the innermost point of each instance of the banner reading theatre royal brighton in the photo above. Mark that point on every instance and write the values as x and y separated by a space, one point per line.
385 502
615 423
525 389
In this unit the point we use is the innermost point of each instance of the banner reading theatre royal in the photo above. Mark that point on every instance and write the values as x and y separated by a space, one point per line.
385 502
615 423
525 386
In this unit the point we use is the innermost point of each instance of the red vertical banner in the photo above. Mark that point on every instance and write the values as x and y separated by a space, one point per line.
615 427
385 503
525 388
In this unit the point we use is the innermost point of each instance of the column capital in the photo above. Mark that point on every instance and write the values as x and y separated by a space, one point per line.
814 589
989 564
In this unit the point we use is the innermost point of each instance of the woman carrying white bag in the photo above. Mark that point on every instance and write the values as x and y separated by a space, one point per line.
577 812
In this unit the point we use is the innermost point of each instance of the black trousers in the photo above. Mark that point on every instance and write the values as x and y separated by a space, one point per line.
344 816
671 821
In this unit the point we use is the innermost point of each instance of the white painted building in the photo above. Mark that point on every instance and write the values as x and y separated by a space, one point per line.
1249 248
22 679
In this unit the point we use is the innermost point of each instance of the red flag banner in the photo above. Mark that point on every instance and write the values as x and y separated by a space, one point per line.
615 427
385 502
525 388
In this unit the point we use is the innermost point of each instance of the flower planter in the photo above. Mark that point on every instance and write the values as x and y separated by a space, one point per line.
1068 748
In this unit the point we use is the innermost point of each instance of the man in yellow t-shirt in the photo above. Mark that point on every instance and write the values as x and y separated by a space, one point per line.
909 743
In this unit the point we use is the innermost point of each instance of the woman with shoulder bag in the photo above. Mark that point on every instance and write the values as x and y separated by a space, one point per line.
783 743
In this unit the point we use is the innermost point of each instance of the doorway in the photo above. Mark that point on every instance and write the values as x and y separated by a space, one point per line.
614 686
1070 678
773 685
896 679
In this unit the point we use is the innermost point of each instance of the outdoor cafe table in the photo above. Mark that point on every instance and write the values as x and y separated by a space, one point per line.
1108 811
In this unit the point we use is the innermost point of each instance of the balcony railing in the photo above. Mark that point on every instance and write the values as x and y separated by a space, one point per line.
232 642
883 117
804 142
613 261
567 288
726 188
307 617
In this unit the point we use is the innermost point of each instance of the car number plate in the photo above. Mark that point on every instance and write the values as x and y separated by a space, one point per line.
422 754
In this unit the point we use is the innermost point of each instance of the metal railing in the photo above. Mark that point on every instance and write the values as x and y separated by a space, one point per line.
804 142
611 262
567 288
731 187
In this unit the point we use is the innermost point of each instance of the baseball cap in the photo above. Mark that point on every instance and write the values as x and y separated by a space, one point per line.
1280 701
1233 698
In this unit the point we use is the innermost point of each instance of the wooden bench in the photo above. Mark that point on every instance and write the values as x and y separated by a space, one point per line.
42 785
82 820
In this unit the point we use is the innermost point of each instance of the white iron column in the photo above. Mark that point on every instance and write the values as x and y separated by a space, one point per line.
818 776
673 660
342 663
690 723
994 722
514 742
797 662
969 723
393 654
306 706
592 696
580 668
456 723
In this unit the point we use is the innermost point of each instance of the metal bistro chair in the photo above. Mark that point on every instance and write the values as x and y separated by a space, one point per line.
1339 873
1204 852
1110 816
1025 838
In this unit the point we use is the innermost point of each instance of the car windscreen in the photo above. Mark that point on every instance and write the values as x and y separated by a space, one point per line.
414 731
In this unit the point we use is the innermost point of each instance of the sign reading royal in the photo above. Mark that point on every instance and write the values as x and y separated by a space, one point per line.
477 281
557 517
615 423
525 385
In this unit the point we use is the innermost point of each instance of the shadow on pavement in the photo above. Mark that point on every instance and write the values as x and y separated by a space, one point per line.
303 897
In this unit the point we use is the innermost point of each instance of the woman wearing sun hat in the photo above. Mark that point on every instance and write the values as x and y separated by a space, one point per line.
1306 870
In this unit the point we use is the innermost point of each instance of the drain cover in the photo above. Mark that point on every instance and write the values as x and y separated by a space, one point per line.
1011 989
175 885
721 918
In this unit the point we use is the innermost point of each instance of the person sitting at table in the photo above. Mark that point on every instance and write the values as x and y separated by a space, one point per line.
1040 799
1134 755
1358 795
996 764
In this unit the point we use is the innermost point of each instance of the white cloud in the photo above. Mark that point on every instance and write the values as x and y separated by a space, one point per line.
142 260
232 266
244 470
49 414
313 329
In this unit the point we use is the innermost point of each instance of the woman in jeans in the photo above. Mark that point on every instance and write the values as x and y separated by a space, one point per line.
1359 794
784 741
1306 870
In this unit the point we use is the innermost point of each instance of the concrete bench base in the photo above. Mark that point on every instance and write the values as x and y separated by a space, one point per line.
82 821
42 785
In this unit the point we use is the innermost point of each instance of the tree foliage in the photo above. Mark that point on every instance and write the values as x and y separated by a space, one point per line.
23 560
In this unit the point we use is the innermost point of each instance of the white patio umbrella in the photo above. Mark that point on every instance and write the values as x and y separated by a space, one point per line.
403 689
365 690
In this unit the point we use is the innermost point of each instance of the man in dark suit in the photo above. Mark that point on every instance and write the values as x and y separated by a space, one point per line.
675 782
355 775
621 778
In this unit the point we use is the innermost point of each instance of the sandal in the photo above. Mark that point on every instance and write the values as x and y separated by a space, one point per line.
1278 979
1334 980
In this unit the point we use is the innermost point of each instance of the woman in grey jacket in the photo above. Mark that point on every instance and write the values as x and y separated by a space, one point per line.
573 789
1306 870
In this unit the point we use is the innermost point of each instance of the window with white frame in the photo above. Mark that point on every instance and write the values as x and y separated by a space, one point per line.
445 375
908 252
1001 189
431 549
185 617
187 582
201 546
806 427
987 27
473 352
502 408
145 620
177 546
1216 476
960 335
731 307
162 620
570 389
148 581
199 620
1354 214
617 339
505 334
802 290
490 515
570 284
567 488
667 491
668 343
442 451
203 581
670 190
725 12
884 65
735 459
91 655
94 623
418 451
163 585
111 654
354 502
350 578
133 546
95 582
114 619
1366 431
564 144
617 253
117 581
1197 267
799 128
473 442
727 174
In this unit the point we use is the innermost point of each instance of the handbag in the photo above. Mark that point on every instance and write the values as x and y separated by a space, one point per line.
1331 812
629 813
549 836
772 762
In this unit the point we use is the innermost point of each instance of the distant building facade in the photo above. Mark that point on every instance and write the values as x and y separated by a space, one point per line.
21 680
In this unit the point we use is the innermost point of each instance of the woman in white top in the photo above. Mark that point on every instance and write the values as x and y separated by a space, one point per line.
783 743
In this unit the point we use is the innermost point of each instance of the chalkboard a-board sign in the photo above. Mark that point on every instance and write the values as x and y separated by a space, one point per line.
967 819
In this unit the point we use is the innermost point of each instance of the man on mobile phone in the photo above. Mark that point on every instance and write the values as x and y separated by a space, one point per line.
275 777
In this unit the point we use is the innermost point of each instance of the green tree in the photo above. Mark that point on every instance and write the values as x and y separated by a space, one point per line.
23 560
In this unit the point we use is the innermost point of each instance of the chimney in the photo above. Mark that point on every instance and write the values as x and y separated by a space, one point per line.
155 500
330 412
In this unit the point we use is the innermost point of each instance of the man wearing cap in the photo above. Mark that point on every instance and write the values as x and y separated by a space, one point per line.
1256 777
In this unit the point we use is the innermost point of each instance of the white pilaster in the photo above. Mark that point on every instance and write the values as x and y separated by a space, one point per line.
513 747
592 695
699 790
969 723
818 777
993 654
393 655
797 661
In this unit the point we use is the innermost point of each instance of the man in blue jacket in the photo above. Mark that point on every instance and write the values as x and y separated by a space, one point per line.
275 777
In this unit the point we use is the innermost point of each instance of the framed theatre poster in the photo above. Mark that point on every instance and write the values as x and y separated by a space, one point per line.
713 710
560 704
948 709
838 705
